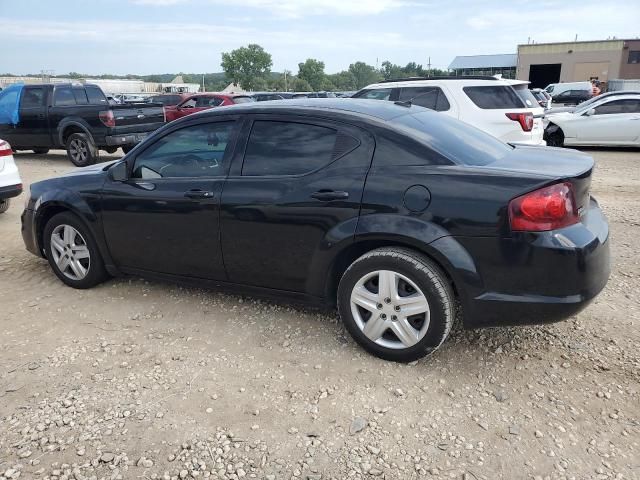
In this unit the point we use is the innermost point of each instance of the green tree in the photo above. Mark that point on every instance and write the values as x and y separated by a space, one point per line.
247 66
312 71
343 80
364 74
300 85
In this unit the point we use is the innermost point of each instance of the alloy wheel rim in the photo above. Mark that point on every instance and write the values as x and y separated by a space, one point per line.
78 150
70 252
390 309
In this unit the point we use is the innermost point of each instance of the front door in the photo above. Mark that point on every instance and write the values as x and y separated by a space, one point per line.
33 129
614 122
296 191
165 217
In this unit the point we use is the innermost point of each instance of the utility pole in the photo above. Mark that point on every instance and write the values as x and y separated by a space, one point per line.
286 89
429 67
203 89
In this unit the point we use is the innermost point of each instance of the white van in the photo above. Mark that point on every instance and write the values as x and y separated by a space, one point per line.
554 89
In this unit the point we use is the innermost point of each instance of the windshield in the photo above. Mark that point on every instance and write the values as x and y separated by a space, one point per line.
584 106
458 141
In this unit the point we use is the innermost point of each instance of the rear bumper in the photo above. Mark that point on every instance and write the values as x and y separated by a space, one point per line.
10 191
533 278
126 139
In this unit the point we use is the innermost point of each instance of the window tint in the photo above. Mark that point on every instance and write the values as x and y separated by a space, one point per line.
377 94
32 97
80 95
494 97
196 151
453 139
95 95
63 96
429 97
285 148
618 106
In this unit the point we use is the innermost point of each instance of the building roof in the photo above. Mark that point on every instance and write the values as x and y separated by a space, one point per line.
504 60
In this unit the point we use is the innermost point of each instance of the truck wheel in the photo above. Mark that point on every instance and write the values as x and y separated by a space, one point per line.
81 150
40 151
4 205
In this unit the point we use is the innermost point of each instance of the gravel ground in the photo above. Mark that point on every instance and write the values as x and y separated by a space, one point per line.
137 379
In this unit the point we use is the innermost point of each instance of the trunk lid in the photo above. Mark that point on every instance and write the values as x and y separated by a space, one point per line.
137 117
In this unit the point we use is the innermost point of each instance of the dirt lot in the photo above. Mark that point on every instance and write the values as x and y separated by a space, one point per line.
138 379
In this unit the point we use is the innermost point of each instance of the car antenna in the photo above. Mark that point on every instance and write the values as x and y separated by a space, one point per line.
403 103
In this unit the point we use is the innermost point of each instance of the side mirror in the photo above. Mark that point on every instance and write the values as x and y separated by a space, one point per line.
590 112
118 173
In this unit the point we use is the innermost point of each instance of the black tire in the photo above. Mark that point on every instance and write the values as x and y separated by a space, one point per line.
426 275
81 150
555 138
95 271
4 204
127 148
40 151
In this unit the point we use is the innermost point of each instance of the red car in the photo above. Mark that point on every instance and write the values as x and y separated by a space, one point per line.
204 101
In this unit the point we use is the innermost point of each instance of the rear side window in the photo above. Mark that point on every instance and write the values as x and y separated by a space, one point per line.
33 97
526 95
63 96
377 94
81 96
95 96
287 148
494 97
429 97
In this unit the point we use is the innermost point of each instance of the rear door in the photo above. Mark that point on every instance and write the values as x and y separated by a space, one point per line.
33 128
296 189
429 97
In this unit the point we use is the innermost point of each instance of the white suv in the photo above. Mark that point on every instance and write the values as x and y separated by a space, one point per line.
10 183
500 107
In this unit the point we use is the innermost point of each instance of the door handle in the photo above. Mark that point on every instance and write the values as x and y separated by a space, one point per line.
198 194
328 195
146 185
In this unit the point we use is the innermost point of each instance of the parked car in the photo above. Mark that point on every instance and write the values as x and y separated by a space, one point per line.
10 183
554 89
591 101
487 103
76 117
204 101
544 99
610 120
168 99
571 97
395 213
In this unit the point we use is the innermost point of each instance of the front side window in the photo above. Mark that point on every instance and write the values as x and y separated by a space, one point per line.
287 148
189 103
195 151
377 94
33 97
63 96
494 97
618 106
429 97
205 102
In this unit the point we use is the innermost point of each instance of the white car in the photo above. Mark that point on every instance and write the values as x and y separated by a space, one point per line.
609 121
488 103
10 183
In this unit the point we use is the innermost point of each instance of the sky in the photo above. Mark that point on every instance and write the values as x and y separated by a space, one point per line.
168 36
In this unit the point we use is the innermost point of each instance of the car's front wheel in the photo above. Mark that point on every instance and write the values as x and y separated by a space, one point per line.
555 138
396 303
72 252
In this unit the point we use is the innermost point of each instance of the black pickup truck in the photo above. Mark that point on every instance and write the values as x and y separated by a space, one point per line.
78 117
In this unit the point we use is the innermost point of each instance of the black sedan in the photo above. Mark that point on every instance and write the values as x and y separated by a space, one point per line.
394 213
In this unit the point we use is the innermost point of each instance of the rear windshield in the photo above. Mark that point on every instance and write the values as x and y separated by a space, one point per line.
526 95
243 100
494 97
458 141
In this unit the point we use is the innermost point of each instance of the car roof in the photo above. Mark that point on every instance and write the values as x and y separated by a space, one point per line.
416 82
355 107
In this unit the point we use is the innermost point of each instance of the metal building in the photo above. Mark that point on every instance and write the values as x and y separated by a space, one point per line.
502 64
545 63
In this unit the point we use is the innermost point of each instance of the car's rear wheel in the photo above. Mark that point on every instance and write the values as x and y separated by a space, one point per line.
396 303
4 204
555 138
72 252
40 151
81 150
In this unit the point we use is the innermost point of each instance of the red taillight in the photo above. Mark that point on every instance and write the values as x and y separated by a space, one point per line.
107 118
546 209
5 149
525 119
